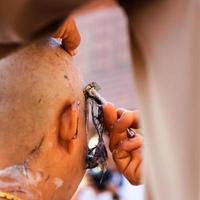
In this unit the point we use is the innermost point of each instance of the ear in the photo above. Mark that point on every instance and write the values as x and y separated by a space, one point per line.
69 122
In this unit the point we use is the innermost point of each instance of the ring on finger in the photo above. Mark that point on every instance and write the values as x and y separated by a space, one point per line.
130 133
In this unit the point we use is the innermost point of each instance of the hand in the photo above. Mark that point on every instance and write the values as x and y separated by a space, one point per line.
70 36
126 152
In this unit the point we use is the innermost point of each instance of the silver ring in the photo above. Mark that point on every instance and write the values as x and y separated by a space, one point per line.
131 133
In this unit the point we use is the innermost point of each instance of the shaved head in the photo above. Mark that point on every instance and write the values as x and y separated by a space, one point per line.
38 84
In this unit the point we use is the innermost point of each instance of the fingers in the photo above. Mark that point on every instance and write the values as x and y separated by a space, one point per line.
123 122
133 171
125 145
119 119
110 115
132 144
128 165
120 111
60 32
126 120
71 41
118 134
138 175
126 151
116 139
70 36
128 158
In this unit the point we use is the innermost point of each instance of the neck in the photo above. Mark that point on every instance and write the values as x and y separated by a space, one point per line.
17 180
26 184
27 181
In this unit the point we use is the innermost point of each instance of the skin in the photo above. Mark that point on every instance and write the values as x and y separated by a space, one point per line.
70 36
42 122
126 152
47 140
67 33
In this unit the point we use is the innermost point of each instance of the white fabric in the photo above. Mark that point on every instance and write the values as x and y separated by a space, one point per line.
88 193
131 192
166 44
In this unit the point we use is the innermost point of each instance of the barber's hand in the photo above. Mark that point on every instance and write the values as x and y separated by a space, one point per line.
126 152
70 36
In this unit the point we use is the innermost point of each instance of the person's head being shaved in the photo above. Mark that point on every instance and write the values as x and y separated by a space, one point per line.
42 123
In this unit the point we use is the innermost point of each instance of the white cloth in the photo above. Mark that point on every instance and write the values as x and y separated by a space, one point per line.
131 192
166 46
87 193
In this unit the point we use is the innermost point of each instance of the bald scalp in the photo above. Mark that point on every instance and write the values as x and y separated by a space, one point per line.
37 82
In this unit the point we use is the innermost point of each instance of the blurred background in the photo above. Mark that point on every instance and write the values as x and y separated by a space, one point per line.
104 57
104 53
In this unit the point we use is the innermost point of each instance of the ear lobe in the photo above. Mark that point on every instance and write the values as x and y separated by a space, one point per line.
69 122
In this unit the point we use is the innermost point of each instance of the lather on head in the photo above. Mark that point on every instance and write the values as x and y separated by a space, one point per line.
41 112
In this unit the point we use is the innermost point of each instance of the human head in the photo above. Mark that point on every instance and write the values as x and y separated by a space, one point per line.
40 116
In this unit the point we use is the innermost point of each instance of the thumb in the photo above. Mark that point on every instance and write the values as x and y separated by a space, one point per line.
110 115
70 35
